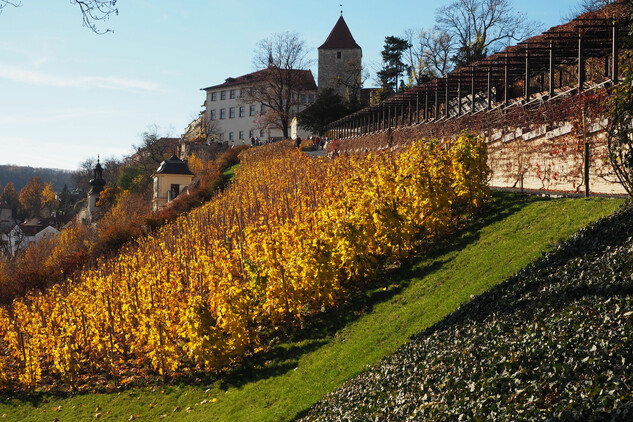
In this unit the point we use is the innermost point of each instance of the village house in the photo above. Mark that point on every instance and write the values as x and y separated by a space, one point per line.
22 235
172 177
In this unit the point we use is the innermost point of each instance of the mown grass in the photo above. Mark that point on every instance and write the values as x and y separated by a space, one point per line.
229 174
283 383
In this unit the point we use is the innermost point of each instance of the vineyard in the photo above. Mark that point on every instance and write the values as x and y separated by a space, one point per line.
291 236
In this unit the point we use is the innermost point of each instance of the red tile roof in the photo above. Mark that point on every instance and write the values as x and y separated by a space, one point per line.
340 37
307 80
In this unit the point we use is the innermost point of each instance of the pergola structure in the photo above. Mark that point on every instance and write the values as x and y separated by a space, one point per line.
525 74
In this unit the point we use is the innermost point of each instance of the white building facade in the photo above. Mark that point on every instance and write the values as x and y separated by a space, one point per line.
233 115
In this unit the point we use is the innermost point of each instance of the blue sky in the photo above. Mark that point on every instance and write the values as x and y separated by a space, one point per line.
67 94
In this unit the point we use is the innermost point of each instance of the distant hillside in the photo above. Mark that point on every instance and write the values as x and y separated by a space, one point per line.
19 175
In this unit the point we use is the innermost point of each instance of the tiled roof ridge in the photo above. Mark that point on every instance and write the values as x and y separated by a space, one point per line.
340 37
260 75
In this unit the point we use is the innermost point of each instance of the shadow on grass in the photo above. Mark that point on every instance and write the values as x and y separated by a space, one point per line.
555 280
318 330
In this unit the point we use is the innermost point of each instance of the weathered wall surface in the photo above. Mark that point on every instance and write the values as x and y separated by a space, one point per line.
339 72
549 159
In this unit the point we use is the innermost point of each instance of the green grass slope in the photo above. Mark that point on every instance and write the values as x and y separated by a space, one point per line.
553 342
297 372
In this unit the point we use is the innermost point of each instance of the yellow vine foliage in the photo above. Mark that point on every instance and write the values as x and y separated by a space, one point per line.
291 236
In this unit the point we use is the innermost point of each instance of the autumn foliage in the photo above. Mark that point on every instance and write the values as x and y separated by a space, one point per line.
36 195
291 236
124 217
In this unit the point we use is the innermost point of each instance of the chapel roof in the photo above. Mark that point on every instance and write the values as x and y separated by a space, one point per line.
173 165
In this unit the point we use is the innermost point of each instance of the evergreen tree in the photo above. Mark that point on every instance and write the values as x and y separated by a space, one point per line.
328 107
393 65
65 205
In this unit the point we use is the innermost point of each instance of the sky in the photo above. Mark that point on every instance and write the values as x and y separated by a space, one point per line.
67 94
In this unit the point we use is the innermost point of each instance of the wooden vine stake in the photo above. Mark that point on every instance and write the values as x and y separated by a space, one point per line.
114 377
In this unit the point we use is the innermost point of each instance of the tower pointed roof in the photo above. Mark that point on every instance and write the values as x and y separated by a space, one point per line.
340 37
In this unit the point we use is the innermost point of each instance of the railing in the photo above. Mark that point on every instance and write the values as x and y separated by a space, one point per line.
486 86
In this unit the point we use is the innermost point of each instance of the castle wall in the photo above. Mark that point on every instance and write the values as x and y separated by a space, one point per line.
544 159
342 72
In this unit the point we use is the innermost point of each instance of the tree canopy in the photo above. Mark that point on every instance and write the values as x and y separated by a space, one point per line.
282 58
10 195
480 27
393 65
328 107
37 196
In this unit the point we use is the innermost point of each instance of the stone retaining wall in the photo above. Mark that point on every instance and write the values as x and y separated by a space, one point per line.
543 159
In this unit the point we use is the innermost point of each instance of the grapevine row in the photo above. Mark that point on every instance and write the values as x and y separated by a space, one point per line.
291 236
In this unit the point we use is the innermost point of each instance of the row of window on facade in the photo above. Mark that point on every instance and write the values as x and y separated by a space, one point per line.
242 112
253 133
303 98
232 94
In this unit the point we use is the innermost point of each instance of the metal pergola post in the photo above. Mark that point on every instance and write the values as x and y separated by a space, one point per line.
417 108
459 95
581 64
527 76
472 92
426 106
446 100
614 53
506 83
488 92
551 69
383 125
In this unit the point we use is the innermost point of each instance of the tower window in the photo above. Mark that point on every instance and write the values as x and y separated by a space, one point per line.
338 54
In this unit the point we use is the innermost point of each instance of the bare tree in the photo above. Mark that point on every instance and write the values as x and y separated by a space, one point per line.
281 60
153 150
93 11
585 6
111 172
212 130
353 79
429 54
479 26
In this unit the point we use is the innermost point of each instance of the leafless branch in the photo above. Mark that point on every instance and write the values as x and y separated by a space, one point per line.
282 57
480 27
93 11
